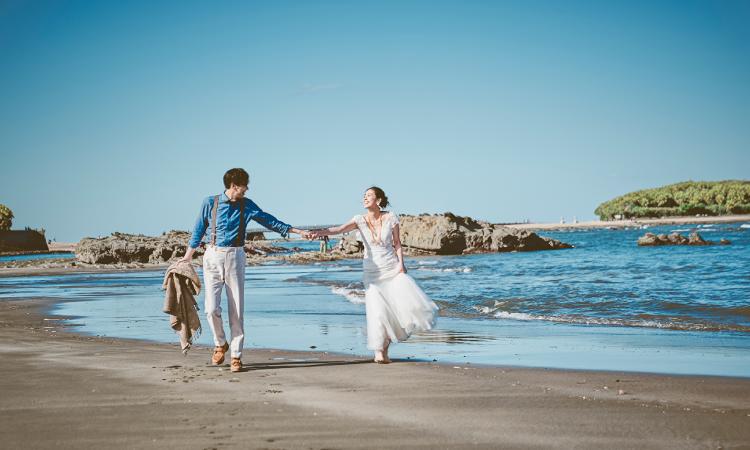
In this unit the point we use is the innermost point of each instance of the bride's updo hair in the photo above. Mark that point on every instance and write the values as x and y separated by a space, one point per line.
380 195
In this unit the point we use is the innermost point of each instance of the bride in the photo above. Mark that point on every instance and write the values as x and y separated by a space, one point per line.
395 305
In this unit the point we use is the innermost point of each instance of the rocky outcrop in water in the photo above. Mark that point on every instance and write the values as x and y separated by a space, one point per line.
442 234
256 236
652 240
448 234
122 247
135 248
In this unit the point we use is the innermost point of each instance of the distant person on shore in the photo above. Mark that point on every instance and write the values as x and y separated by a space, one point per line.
226 216
395 305
324 244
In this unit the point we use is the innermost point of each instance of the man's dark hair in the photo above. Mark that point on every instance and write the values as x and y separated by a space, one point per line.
236 176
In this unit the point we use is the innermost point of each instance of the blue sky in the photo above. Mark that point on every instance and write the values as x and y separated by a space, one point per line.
122 116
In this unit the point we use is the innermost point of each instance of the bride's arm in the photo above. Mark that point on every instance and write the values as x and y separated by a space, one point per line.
397 247
349 226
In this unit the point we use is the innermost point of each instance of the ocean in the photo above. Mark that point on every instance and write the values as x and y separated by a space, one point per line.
35 256
606 304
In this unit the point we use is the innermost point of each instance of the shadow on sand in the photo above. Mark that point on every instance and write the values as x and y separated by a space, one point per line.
301 364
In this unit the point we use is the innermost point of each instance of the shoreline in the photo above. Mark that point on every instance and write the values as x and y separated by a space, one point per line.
130 393
69 247
650 349
44 307
34 252
628 223
9 272
68 266
53 247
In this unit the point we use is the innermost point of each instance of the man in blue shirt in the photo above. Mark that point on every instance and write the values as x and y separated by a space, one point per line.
226 216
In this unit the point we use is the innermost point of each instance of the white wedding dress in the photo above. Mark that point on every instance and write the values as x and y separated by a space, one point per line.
396 306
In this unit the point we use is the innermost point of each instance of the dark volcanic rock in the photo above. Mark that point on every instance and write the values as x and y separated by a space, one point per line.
651 240
448 234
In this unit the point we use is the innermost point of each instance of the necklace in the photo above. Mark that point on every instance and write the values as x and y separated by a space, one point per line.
375 235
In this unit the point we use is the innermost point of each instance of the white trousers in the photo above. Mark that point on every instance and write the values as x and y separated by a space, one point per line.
224 267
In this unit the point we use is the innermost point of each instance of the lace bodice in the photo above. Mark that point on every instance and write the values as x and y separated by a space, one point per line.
380 260
389 220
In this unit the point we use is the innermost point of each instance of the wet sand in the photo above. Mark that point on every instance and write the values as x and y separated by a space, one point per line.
634 223
64 267
64 390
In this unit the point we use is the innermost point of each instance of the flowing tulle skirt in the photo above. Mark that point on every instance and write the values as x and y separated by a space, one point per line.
396 307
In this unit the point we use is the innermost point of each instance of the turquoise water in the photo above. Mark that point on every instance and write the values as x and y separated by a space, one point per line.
606 304
35 256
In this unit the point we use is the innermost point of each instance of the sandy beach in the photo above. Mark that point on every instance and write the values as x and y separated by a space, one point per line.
332 182
62 390
62 246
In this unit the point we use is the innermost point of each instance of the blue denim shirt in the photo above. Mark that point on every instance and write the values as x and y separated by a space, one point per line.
228 221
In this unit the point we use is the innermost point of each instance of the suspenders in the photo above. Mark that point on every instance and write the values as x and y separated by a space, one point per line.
239 241
213 220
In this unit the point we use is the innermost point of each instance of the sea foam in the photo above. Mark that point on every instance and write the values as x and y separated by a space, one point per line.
355 296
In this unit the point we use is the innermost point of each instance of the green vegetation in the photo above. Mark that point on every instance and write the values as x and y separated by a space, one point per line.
713 198
6 218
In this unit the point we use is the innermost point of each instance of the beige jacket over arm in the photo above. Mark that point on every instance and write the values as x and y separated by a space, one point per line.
182 284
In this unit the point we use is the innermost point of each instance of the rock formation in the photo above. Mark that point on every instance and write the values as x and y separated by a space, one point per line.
256 236
448 234
22 241
651 240
131 248
443 234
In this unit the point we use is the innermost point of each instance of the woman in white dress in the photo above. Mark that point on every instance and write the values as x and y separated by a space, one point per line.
395 305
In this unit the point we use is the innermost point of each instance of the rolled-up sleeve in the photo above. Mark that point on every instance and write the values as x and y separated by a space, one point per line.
267 220
201 223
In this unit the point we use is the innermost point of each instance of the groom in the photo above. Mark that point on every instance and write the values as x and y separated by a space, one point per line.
226 216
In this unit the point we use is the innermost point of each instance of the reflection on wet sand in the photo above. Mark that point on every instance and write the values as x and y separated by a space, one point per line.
450 337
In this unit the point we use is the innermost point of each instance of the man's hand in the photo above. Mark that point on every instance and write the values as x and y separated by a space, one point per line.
188 255
315 234
304 233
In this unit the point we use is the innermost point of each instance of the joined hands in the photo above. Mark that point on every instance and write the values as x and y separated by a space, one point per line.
316 234
311 234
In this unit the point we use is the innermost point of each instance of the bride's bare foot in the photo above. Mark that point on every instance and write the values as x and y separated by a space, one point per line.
381 356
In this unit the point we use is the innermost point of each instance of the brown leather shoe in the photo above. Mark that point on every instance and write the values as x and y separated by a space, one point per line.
236 365
218 356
